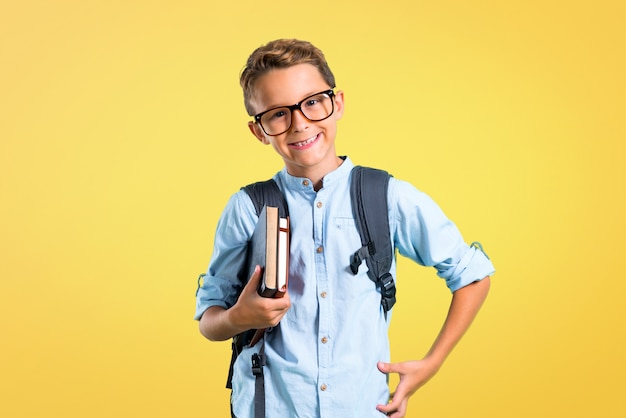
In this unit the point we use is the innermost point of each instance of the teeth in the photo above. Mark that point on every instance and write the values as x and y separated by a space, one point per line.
306 142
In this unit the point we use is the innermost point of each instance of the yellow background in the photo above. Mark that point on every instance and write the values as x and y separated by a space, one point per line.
122 134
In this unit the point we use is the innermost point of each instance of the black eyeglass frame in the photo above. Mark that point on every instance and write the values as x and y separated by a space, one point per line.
297 106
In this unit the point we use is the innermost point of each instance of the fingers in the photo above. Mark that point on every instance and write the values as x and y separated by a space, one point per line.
397 405
393 411
257 311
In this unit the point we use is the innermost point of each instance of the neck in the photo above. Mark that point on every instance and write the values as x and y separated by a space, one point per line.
316 174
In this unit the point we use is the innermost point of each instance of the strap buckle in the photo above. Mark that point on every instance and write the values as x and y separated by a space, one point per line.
388 291
258 361
360 255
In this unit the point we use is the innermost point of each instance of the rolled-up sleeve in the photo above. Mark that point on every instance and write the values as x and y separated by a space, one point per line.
423 233
223 281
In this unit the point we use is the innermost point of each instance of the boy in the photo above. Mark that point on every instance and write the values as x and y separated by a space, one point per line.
328 351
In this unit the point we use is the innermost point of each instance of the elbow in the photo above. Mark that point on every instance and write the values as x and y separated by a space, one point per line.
204 332
207 325
208 333
204 326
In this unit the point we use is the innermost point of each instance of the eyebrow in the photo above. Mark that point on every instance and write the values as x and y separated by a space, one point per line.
290 104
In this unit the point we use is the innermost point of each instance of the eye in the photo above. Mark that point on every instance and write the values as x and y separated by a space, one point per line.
276 114
312 101
317 100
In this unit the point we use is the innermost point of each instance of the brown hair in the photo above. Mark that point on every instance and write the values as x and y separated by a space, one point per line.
281 53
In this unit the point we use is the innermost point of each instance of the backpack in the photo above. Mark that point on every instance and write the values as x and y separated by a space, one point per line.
368 194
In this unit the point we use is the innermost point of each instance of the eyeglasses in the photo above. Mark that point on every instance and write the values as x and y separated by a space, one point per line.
317 107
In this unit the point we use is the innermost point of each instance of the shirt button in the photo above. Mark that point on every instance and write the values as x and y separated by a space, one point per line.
323 294
320 249
305 183
323 387
324 340
319 204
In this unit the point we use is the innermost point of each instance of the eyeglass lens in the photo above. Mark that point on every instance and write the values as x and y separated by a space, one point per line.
314 108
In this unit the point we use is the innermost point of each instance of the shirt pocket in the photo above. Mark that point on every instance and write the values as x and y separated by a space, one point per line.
344 224
346 234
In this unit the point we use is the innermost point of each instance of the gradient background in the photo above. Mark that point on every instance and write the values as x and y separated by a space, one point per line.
122 134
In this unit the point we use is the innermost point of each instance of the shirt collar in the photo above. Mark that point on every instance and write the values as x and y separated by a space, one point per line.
329 179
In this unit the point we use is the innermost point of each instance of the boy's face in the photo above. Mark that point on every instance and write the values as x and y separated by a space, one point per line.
307 148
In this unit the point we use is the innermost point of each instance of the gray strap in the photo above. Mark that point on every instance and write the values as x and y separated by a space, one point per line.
267 193
368 192
258 361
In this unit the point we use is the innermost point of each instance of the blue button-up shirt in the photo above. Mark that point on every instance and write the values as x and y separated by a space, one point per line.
321 358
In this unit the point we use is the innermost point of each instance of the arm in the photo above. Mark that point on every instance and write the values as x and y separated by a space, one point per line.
466 302
251 311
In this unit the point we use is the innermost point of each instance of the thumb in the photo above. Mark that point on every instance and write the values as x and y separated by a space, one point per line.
254 280
385 367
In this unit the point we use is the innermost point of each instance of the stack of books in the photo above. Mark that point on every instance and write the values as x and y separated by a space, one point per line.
269 249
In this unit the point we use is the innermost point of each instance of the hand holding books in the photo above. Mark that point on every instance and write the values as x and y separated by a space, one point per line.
255 312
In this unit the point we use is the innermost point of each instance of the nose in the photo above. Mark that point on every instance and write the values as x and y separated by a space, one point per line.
299 122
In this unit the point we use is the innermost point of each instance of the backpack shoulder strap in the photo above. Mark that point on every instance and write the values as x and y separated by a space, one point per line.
261 193
368 192
267 193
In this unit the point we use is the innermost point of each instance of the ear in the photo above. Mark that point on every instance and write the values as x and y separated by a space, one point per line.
339 104
258 132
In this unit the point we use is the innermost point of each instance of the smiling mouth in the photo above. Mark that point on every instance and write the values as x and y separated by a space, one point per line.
305 142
